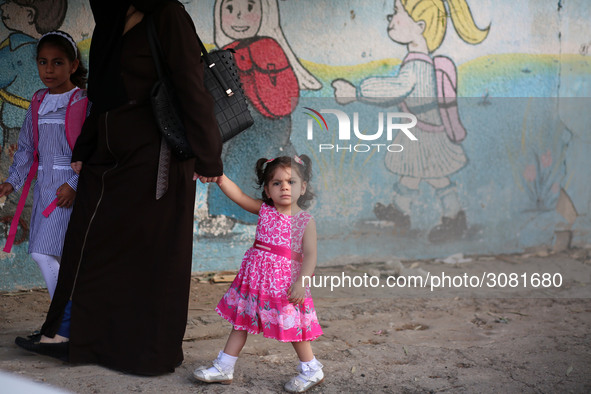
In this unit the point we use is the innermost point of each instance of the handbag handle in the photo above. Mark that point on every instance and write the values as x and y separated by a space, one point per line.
157 53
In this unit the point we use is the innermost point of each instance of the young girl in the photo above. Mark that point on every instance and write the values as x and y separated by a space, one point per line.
24 21
268 294
52 123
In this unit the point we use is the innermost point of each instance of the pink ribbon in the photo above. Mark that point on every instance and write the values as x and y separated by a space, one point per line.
278 250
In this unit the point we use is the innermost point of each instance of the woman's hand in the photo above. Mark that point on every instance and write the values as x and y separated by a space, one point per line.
5 189
205 179
76 166
65 196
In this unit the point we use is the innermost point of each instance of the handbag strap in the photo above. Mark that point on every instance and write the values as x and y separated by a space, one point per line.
212 66
155 45
157 54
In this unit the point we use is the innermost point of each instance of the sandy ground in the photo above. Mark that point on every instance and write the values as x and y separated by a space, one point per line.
377 339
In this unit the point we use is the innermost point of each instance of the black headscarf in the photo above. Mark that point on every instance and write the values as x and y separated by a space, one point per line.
105 86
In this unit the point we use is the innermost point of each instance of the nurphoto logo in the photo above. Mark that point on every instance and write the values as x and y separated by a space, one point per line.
386 124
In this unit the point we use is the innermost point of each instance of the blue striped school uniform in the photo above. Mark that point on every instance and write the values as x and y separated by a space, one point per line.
46 235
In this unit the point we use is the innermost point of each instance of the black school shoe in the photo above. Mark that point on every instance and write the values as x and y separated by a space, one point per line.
55 350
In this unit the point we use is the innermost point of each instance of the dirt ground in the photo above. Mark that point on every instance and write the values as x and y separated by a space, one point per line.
531 339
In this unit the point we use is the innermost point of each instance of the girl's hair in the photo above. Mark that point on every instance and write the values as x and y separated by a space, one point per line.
302 164
434 14
49 14
66 43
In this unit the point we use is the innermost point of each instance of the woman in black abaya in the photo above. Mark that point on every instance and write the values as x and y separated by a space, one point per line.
126 265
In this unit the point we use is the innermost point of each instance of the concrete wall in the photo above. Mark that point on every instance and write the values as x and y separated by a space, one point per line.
519 179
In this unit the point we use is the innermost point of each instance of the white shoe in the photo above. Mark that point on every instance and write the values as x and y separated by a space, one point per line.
221 375
305 380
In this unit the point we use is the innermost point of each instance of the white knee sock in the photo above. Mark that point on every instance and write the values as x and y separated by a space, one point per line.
49 266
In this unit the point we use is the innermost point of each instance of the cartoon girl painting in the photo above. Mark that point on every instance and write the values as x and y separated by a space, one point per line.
26 20
272 78
421 25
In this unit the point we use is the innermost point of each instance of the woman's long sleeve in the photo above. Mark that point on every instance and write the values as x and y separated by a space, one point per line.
178 39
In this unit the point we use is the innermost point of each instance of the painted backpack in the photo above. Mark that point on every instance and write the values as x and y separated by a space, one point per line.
446 77
75 116
267 77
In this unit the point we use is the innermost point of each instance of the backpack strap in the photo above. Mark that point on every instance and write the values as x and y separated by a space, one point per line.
75 116
35 103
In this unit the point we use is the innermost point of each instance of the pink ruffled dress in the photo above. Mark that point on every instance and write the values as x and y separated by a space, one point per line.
257 299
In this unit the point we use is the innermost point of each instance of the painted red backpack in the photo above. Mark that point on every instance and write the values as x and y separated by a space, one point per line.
267 77
446 76
75 116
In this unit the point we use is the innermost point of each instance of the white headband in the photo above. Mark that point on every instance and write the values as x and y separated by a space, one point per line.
59 33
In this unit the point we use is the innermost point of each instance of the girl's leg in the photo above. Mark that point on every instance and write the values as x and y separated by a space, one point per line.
223 366
49 266
235 342
304 351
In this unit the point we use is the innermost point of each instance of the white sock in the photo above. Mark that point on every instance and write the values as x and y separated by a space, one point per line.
312 366
226 361
50 267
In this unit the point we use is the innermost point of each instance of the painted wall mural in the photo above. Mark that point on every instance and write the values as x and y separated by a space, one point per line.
272 77
426 87
496 162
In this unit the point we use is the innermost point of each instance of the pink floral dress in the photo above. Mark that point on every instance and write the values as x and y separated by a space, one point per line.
257 299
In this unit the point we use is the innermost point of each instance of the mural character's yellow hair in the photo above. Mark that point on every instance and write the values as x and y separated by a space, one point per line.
434 14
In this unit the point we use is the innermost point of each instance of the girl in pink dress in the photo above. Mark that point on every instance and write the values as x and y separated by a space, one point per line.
268 294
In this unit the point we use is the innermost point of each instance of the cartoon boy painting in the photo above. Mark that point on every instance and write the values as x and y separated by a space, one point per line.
421 25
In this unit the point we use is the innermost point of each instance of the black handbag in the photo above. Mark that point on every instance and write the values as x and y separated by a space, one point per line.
223 83
165 103
221 80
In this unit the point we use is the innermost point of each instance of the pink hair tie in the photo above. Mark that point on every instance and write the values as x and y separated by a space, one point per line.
268 161
297 159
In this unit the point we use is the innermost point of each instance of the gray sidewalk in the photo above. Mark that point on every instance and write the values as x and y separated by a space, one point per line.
376 339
